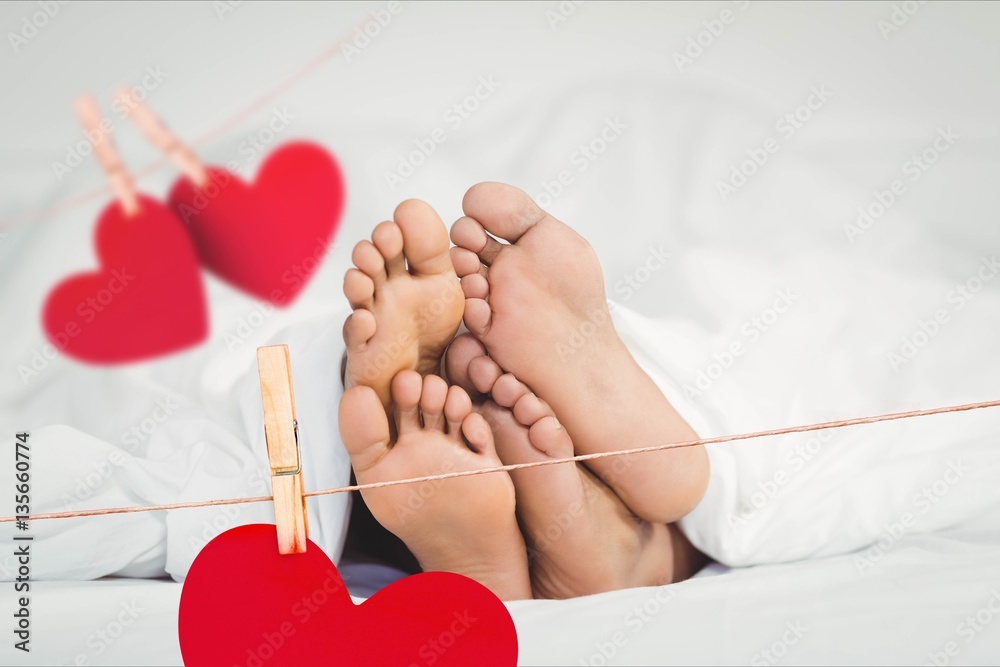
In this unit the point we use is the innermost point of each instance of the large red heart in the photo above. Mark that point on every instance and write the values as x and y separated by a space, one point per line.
147 299
245 604
269 237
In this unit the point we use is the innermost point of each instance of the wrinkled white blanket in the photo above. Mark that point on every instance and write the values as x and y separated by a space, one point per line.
179 451
773 500
845 352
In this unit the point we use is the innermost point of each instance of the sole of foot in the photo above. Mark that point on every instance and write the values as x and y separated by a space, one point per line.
537 303
406 299
581 537
464 525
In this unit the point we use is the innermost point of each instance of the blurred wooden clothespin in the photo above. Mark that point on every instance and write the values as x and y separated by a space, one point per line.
160 135
98 130
283 454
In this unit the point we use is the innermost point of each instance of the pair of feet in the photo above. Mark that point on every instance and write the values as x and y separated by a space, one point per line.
542 374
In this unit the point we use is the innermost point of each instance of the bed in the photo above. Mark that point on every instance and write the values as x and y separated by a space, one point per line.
920 605
817 574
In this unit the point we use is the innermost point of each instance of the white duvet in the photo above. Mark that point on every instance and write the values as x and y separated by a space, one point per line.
769 501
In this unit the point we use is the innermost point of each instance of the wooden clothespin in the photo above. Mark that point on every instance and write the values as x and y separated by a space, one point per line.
281 433
98 130
157 132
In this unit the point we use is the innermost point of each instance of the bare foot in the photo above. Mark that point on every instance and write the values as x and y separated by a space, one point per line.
581 538
406 298
464 525
538 305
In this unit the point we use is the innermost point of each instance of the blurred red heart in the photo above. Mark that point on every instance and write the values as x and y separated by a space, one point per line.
146 300
245 604
269 237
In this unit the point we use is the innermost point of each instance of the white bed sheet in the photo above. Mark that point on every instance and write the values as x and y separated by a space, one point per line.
914 600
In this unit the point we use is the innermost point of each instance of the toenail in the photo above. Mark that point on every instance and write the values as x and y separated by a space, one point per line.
556 421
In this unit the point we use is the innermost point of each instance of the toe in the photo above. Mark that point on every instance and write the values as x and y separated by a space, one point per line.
462 350
363 427
367 258
478 317
406 389
388 239
457 407
549 437
503 210
359 289
475 286
513 443
466 262
359 327
425 238
432 400
483 373
506 431
529 409
508 390
478 434
467 233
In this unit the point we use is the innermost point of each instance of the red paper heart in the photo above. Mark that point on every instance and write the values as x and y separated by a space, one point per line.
146 300
245 604
269 237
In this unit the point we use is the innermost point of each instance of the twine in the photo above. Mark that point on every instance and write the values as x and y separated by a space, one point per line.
893 416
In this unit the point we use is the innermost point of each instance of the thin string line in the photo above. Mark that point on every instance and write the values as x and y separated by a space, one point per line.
226 125
893 416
